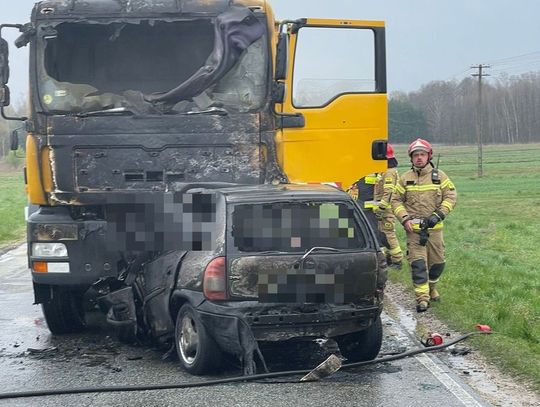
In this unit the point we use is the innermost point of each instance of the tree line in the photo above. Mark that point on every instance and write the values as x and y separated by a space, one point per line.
446 111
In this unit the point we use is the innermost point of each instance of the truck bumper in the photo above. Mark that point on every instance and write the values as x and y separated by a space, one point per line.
88 259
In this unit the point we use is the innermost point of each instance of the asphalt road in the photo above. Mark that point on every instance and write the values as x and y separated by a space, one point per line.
32 359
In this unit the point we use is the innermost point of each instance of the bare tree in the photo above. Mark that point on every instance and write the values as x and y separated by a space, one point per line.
512 109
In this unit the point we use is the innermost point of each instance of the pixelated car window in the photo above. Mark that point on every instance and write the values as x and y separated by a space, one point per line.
295 227
162 222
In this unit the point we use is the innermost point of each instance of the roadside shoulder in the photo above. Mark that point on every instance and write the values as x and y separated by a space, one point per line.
6 247
465 360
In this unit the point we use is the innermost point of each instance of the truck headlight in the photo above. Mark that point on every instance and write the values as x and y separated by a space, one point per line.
52 232
49 250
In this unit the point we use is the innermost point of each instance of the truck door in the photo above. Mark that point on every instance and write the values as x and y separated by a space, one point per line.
334 127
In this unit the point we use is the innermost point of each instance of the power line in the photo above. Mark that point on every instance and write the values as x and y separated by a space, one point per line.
515 62
494 61
519 69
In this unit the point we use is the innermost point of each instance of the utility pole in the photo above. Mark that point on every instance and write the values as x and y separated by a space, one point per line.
480 74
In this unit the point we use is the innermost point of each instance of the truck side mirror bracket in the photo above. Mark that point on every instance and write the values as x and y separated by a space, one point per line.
27 33
278 92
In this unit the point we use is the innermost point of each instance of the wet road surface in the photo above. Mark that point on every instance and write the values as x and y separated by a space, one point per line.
32 359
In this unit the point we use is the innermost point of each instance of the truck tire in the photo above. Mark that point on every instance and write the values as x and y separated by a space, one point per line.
363 345
197 350
64 312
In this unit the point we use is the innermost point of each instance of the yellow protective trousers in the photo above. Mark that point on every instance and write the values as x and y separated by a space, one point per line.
387 227
426 262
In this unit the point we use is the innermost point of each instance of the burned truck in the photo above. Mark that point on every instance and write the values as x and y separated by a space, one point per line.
137 106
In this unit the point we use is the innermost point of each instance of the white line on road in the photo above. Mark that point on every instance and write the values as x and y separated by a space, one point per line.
455 388
5 258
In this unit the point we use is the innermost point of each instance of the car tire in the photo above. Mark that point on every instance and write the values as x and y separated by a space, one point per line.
363 345
197 350
64 312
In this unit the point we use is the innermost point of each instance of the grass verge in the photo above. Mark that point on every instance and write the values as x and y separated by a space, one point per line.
493 261
12 203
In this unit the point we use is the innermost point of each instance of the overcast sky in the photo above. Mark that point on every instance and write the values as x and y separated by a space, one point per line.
426 39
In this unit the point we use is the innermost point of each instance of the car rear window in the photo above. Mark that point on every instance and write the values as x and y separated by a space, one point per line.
295 226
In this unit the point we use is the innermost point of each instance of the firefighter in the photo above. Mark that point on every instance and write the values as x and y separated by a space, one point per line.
384 188
362 191
423 197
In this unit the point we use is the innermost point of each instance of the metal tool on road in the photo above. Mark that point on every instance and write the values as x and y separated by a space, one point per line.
330 366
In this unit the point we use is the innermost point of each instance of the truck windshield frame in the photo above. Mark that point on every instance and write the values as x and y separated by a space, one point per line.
150 70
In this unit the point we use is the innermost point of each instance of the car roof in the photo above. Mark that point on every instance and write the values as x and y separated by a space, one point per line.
280 192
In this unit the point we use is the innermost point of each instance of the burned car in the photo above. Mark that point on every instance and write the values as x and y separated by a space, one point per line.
287 261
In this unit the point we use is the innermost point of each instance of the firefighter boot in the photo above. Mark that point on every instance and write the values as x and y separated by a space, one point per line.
422 297
422 306
433 293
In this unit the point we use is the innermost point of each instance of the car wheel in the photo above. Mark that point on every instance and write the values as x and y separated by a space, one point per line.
363 345
64 312
197 350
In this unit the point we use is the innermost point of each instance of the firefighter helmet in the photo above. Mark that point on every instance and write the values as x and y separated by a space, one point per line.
389 151
420 144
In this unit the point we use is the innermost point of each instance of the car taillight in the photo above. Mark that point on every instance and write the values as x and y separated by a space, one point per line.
214 283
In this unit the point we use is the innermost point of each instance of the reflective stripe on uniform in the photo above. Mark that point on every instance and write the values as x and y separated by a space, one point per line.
447 204
395 251
383 204
422 188
398 209
400 189
448 184
370 179
416 226
371 204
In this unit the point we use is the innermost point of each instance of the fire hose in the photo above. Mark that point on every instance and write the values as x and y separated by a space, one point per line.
308 375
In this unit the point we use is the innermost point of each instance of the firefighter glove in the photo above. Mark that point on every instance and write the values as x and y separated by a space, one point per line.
433 220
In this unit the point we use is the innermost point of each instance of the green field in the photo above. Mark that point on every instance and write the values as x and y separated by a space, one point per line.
493 259
12 203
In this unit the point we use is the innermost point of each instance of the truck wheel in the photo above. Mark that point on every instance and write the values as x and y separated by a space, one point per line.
197 350
64 312
363 345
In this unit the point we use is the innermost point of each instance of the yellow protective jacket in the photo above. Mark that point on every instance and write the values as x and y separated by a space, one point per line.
421 192
386 182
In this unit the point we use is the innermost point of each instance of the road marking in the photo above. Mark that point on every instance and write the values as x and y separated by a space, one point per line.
5 258
455 388
408 332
